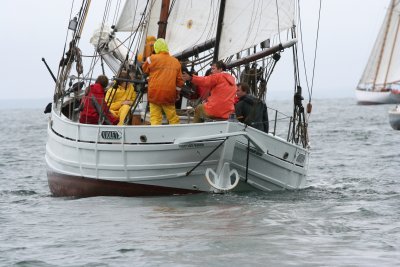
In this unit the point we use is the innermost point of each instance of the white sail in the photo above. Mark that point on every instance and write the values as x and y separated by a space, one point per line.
383 67
131 15
192 23
189 23
192 27
267 19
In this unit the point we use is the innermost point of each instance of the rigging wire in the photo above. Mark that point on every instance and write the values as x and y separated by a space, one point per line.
310 89
66 36
116 12
279 27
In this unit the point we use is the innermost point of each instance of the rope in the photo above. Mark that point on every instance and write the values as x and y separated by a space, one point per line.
310 89
279 27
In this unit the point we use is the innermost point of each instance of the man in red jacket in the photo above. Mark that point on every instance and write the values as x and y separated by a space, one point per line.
222 87
89 114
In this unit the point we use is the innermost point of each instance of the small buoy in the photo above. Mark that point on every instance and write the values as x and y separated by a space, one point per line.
309 108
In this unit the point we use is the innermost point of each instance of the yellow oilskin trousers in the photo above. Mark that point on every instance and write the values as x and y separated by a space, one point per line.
156 114
118 96
121 113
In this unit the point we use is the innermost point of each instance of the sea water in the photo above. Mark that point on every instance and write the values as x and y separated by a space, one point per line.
348 215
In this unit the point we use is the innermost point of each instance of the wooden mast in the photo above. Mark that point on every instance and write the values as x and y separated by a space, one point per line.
219 29
162 24
383 45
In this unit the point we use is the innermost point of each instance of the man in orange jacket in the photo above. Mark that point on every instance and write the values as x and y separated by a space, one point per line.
222 86
164 83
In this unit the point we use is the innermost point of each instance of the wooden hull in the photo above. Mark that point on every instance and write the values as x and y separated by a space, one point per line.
63 185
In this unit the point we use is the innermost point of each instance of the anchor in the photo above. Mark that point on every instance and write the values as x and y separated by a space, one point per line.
223 180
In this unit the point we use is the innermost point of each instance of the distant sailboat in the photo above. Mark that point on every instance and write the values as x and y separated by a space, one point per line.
380 82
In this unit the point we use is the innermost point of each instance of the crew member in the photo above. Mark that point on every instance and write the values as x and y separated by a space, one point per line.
165 81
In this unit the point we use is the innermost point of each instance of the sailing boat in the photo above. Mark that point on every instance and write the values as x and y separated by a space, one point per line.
217 156
380 82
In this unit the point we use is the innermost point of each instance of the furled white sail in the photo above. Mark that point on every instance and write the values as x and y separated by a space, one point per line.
264 19
383 67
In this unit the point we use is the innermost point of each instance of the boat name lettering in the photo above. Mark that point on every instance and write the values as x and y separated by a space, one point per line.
256 151
111 135
191 145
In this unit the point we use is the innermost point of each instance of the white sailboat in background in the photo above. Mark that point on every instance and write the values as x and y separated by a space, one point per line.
380 82
138 160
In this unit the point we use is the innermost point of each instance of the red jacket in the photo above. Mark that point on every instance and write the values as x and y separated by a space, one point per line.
89 115
165 75
222 88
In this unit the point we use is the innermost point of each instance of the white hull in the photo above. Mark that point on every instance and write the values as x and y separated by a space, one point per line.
394 118
88 160
369 97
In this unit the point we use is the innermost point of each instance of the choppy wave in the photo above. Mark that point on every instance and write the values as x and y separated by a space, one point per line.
348 215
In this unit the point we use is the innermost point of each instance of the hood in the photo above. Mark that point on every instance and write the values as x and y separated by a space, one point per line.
160 46
229 78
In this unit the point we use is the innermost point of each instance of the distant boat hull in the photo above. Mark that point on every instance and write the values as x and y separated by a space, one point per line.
394 118
369 97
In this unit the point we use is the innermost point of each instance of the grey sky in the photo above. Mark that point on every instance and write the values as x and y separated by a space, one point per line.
31 30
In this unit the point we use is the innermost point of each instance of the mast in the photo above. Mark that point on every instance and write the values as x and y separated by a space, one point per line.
219 29
384 44
162 24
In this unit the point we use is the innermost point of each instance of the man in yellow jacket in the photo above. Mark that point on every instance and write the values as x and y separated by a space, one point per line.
120 98
165 81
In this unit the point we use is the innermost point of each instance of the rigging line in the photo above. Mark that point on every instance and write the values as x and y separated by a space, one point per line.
206 33
105 15
316 47
277 14
66 36
302 49
170 8
310 89
109 52
133 35
117 8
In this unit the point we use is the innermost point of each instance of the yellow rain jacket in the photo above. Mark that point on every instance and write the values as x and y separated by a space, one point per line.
115 97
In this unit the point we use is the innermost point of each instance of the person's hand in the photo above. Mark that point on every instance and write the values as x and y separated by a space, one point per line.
127 102
186 77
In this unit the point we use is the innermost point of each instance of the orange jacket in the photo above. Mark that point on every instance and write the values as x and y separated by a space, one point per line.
222 88
165 75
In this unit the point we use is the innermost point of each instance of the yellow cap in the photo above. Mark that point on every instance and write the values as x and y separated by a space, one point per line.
150 38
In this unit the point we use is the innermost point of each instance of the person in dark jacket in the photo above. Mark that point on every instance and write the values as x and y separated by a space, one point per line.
250 110
89 114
